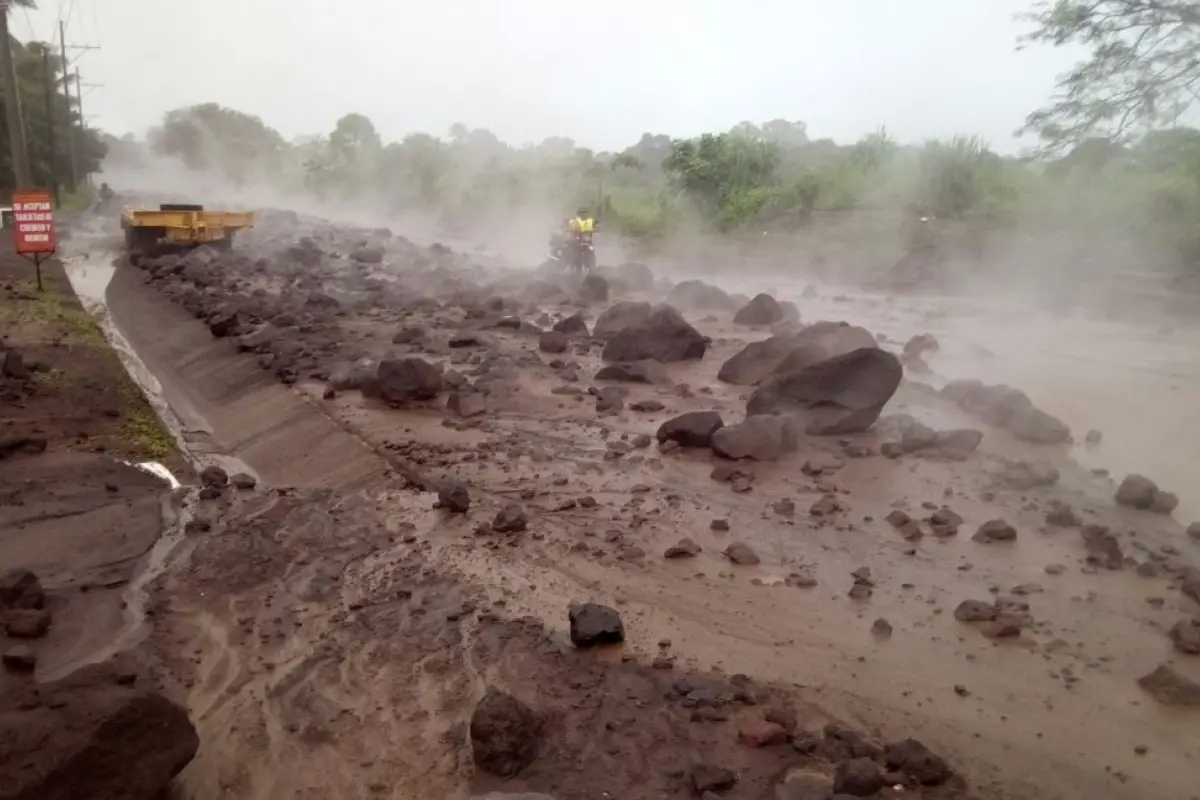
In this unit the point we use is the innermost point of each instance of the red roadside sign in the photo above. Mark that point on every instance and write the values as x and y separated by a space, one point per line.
33 222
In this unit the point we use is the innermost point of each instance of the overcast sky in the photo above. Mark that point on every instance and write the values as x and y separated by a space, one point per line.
601 73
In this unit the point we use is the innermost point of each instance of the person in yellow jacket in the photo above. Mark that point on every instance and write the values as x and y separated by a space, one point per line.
577 246
582 224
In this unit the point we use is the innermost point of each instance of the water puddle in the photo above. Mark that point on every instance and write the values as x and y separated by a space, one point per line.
177 509
159 471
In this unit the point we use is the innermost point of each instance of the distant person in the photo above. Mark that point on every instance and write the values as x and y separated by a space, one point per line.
106 193
582 223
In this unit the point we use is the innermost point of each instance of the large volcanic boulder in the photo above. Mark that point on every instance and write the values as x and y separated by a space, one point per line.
663 336
700 296
692 429
1008 408
98 740
843 394
593 289
573 325
758 361
620 316
645 371
400 381
761 310
636 276
763 437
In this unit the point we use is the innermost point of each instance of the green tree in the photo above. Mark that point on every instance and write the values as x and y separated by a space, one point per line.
416 171
44 164
211 137
353 152
354 139
1142 73
727 176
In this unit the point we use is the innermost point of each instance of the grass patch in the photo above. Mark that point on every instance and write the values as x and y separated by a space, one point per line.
143 432
86 381
52 313
79 200
145 435
49 380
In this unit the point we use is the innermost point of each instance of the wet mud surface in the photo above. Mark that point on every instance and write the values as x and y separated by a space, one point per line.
340 659
948 573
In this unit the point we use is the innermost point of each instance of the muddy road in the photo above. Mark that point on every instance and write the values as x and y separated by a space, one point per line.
472 447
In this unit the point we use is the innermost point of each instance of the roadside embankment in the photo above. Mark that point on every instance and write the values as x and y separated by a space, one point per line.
77 521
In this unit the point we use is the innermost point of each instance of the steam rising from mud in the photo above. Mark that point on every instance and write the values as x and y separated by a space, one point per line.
1047 313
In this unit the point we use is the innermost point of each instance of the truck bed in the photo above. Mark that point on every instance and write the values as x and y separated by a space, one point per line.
147 218
172 226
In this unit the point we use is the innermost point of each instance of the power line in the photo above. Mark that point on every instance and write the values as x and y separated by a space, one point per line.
29 21
72 149
70 12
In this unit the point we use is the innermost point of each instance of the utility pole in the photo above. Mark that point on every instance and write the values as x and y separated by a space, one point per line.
72 144
12 104
48 77
83 126
73 160
82 119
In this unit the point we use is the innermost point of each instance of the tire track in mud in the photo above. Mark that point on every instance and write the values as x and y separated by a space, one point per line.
308 685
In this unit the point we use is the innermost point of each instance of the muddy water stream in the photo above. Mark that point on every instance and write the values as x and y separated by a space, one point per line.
90 271
1138 385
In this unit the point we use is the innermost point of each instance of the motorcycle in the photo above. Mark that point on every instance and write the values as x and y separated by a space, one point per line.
104 205
576 254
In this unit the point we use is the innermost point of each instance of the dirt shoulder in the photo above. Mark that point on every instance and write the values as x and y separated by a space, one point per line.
76 519
65 388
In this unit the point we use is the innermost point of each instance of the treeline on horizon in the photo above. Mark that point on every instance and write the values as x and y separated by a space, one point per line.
1116 178
754 177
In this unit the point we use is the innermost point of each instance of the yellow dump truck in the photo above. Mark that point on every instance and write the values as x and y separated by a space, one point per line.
179 226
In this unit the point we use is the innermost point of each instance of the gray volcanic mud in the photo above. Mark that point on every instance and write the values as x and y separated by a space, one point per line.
911 555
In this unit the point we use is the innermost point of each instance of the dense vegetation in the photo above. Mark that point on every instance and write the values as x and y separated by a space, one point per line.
754 177
31 85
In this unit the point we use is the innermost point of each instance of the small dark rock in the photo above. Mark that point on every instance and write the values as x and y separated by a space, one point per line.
214 476
1170 688
19 659
593 624
996 530
741 554
710 778
454 496
243 481
685 548
1185 635
26 623
552 342
858 777
975 611
505 734
510 519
